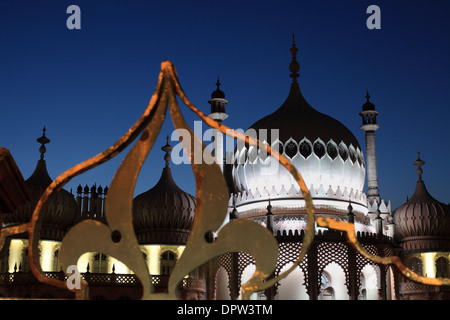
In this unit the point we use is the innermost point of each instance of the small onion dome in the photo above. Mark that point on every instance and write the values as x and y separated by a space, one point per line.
165 213
368 106
422 223
60 210
218 93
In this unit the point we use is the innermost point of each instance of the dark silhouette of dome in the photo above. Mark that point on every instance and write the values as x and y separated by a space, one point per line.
165 213
368 106
422 223
60 210
218 93
320 147
297 119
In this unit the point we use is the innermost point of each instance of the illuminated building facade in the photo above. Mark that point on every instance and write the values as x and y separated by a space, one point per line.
162 218
331 162
423 233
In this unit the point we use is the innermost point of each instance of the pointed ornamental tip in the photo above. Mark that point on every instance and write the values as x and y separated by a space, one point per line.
368 106
218 93
350 208
350 214
218 83
43 140
167 148
294 66
269 209
233 213
419 162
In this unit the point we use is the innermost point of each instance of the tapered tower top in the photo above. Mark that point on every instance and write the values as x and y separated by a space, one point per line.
218 103
369 116
294 66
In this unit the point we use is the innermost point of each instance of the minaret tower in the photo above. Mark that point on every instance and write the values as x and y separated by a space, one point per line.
369 125
218 113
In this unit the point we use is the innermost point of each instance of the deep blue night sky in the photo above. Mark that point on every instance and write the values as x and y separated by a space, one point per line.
89 86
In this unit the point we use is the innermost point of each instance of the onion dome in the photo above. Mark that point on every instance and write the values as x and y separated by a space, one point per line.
296 119
322 149
422 223
165 213
368 106
218 93
60 210
218 103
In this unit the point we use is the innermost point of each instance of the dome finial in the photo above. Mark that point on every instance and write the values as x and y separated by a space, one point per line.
218 93
269 209
294 66
218 83
233 213
350 207
43 140
368 106
419 162
350 214
167 149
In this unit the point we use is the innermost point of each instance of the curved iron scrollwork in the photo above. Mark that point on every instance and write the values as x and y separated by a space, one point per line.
349 229
118 239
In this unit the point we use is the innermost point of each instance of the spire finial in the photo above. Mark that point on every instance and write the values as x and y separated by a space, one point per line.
269 209
368 106
233 213
419 162
218 93
218 82
294 66
43 140
167 149
350 207
350 214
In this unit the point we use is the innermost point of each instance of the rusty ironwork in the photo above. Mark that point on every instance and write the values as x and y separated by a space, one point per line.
349 229
118 239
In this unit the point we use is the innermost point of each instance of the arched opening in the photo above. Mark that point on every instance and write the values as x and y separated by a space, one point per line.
168 262
416 265
247 274
337 281
100 264
222 289
442 267
326 291
369 283
292 287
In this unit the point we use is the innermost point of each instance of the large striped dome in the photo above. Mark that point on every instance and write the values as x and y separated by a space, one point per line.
165 213
321 148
